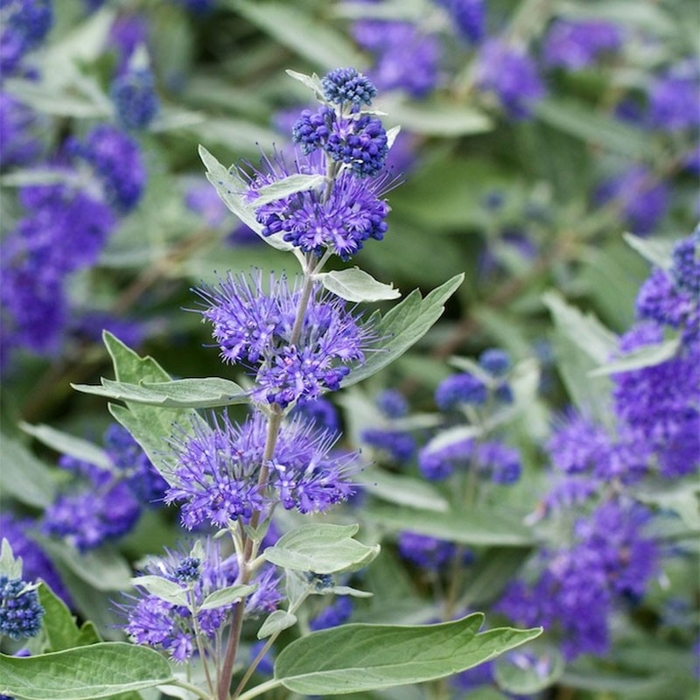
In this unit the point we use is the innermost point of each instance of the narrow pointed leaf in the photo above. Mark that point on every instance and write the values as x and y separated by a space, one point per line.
59 624
357 285
321 548
359 657
647 356
87 673
69 445
657 251
403 326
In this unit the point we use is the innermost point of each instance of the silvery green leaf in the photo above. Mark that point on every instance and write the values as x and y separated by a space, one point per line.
357 285
276 622
360 657
658 251
205 392
225 596
391 135
345 590
286 187
69 445
530 672
313 82
647 356
9 565
321 548
162 588
23 476
85 673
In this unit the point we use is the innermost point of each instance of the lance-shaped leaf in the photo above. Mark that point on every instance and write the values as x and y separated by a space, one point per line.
321 548
313 82
359 657
646 356
59 624
658 252
403 326
207 392
357 285
69 445
86 673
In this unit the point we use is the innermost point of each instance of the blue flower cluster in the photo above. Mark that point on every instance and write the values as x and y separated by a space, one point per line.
100 503
24 26
217 471
340 220
390 441
168 626
64 230
20 610
611 560
254 326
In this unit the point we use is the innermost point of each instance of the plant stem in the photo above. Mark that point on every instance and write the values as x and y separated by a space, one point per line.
198 638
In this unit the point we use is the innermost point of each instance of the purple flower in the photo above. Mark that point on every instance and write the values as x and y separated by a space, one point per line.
169 627
499 462
427 552
117 161
406 58
321 412
347 86
460 389
398 445
104 503
352 212
511 75
127 33
686 264
469 17
578 444
358 141
333 615
219 468
673 103
575 593
495 361
20 610
392 403
437 463
25 25
255 326
18 124
642 199
35 563
134 97
575 45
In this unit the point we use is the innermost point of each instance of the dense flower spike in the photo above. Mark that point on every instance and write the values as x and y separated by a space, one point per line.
437 463
134 97
673 102
347 86
427 552
18 127
20 610
165 625
255 326
460 389
218 471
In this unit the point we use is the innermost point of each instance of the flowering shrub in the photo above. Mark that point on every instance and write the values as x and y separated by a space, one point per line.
307 479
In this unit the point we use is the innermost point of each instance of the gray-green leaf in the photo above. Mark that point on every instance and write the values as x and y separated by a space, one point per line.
86 673
357 285
403 326
321 548
358 657
207 392
162 588
225 596
69 445
276 622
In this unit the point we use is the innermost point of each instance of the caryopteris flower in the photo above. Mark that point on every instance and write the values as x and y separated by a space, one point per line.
218 470
134 97
575 45
255 327
20 610
165 625
347 86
